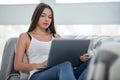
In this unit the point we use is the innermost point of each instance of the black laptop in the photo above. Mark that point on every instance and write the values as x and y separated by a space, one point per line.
67 50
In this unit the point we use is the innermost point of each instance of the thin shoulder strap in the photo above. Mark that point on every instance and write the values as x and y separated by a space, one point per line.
53 35
29 36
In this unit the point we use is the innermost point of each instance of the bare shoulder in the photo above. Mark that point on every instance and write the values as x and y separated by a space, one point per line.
23 37
57 36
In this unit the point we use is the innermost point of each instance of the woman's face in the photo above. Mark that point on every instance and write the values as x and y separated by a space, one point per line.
45 19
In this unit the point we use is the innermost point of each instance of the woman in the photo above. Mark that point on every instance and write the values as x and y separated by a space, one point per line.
36 44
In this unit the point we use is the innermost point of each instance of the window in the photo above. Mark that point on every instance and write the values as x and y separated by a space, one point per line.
84 1
112 30
3 2
8 31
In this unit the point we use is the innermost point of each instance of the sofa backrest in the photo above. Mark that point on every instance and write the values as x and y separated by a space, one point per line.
7 69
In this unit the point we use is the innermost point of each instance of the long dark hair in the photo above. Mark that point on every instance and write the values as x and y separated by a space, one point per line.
35 17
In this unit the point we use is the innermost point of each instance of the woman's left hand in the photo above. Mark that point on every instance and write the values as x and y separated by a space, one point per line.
84 57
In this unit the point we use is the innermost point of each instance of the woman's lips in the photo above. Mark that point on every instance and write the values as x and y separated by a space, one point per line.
46 24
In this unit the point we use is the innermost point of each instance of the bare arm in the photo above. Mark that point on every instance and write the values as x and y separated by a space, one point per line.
21 47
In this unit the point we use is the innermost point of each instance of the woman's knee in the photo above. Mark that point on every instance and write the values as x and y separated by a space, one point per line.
66 64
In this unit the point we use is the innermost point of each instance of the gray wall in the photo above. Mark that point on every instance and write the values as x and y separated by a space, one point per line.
80 13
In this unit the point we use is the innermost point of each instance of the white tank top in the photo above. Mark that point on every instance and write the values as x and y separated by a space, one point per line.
38 52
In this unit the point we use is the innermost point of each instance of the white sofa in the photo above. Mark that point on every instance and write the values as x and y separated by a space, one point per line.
7 70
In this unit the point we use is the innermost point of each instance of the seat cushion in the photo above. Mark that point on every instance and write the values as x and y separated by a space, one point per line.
13 76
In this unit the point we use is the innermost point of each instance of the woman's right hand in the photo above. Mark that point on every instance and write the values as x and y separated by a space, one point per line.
42 64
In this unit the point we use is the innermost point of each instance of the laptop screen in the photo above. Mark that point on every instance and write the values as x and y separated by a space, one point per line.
67 50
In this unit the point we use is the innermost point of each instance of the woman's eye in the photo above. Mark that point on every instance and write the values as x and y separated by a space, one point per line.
50 17
42 15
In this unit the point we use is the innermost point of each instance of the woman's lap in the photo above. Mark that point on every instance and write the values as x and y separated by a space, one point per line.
59 72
